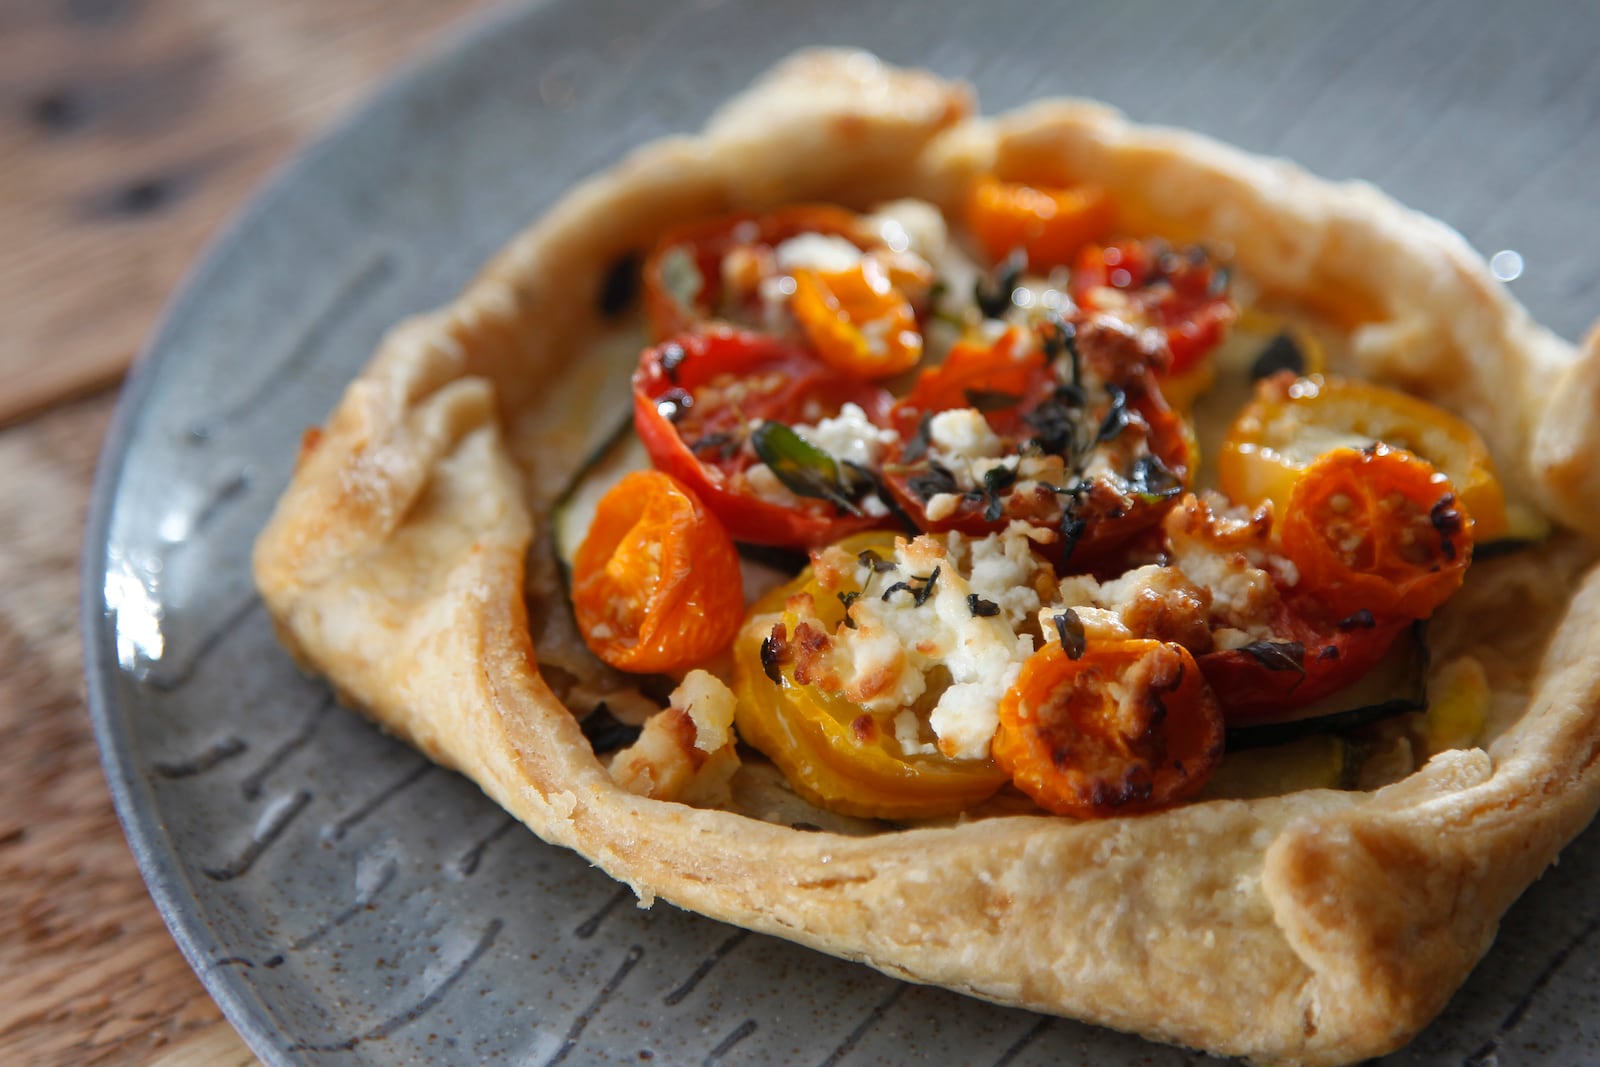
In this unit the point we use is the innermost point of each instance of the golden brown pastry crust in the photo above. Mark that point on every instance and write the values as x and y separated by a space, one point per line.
1318 928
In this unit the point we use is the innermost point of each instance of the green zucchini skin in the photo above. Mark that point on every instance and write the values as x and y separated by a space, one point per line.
619 455
1398 684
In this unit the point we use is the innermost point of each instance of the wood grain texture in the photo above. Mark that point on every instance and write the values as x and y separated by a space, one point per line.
129 129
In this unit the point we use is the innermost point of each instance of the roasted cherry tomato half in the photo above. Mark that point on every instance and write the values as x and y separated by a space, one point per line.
1049 223
1129 726
1379 530
1097 463
857 321
1311 655
687 276
656 584
1149 284
1293 420
1005 379
696 400
833 751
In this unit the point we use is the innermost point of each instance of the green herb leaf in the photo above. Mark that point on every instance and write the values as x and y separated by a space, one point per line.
987 400
1277 655
996 480
981 608
1070 629
802 467
1151 481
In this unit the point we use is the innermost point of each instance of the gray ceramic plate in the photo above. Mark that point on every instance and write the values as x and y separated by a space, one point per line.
344 901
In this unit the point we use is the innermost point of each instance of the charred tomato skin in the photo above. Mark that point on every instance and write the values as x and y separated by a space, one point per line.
693 431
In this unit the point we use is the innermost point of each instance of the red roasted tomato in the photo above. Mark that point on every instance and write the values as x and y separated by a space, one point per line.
685 278
1149 284
1081 441
698 401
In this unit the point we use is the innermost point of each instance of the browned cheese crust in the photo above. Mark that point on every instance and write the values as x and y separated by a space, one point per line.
1320 927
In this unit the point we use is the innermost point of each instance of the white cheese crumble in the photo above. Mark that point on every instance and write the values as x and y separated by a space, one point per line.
1003 569
849 435
899 648
961 441
827 253
911 226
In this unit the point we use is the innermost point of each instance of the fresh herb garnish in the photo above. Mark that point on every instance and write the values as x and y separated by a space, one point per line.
1151 481
874 562
1055 425
919 592
802 467
1277 655
847 597
992 292
981 608
917 447
1070 629
933 481
1117 419
996 480
1281 353
720 445
987 400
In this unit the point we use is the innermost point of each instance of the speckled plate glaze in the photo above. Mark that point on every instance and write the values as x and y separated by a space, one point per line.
348 903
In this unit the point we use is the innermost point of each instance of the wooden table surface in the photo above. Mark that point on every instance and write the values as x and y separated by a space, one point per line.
129 130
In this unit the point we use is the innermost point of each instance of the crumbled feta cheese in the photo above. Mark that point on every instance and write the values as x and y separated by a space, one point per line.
941 506
849 435
815 251
963 434
1003 568
961 441
887 661
765 484
908 732
1240 592
911 226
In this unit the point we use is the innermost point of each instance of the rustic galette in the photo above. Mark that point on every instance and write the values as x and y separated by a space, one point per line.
1077 564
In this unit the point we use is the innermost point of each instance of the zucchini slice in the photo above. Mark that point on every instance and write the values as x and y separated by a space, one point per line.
1399 683
573 514
763 567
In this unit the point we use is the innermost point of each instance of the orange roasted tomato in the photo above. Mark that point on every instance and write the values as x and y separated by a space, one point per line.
857 321
656 583
834 752
1377 529
1293 420
1127 726
1049 223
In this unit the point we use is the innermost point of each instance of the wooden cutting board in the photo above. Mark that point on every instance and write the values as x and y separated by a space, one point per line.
129 131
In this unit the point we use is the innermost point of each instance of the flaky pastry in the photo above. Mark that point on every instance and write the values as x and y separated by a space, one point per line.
408 562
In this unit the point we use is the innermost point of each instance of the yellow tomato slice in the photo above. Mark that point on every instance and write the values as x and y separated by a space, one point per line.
834 752
1292 421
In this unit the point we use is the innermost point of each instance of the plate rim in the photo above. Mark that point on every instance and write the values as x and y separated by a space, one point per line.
158 863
